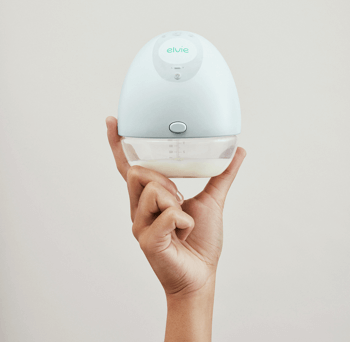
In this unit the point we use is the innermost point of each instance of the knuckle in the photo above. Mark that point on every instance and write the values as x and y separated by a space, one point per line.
152 187
171 212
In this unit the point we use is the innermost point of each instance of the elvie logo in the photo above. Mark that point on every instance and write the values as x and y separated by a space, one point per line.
174 49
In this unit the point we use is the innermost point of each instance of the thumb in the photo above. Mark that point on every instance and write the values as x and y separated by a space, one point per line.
219 186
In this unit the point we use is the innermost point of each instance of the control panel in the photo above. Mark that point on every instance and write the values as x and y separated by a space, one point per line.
177 56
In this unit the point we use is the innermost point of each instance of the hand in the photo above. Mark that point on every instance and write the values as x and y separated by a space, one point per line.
182 240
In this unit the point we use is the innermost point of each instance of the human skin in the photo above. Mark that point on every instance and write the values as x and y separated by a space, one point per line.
182 239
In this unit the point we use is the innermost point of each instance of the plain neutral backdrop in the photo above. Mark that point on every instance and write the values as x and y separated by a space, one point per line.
70 269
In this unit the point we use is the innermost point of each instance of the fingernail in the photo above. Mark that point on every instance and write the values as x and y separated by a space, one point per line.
179 197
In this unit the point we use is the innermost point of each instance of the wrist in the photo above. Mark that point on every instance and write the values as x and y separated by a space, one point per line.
190 314
204 292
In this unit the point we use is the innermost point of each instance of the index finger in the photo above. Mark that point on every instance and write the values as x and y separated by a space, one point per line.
116 146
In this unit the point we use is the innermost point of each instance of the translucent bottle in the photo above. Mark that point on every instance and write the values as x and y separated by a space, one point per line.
185 158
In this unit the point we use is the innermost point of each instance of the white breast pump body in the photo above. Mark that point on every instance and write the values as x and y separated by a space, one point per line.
179 111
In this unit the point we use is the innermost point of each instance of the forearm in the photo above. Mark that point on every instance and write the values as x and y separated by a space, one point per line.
190 316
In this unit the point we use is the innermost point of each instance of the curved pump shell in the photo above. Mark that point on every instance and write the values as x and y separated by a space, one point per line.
204 98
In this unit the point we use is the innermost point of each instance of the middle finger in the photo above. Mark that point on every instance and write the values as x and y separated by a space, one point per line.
138 177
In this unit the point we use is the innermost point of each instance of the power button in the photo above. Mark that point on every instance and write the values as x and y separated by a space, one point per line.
178 127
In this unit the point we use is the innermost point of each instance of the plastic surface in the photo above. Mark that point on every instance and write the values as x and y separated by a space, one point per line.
179 76
174 158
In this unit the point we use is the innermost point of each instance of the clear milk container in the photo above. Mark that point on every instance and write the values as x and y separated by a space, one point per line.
196 157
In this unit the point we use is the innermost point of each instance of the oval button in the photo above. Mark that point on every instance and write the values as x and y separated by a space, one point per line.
177 127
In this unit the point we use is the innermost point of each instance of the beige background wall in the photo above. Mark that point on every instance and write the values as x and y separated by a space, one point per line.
70 269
